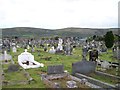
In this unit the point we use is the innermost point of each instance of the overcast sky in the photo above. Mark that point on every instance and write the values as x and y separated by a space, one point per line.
54 14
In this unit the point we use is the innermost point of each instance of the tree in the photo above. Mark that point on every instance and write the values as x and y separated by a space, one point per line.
109 39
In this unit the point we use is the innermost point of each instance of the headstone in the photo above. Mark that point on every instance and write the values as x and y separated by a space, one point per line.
14 49
56 69
13 68
28 47
118 53
84 50
83 67
93 55
105 65
45 49
5 57
103 49
26 60
68 48
33 49
52 50
60 47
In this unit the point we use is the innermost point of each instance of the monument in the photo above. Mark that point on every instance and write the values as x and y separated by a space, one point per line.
52 50
93 55
5 57
26 60
55 69
105 65
83 67
14 49
60 47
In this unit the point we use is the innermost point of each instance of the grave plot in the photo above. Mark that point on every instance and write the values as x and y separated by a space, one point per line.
57 78
87 69
6 58
108 67
14 76
26 60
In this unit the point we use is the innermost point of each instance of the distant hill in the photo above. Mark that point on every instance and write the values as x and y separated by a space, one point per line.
39 32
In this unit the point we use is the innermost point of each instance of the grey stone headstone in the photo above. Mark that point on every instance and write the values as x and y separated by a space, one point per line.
105 64
13 68
56 69
104 50
83 67
116 53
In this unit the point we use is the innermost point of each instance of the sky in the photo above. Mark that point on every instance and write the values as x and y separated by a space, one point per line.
56 14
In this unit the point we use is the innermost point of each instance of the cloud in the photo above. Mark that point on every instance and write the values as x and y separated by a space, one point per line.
59 13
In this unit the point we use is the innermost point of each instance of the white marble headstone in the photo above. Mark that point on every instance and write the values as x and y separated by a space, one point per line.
14 49
28 57
60 47
28 47
5 56
52 50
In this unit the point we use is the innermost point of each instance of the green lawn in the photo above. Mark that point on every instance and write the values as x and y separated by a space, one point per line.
108 56
56 59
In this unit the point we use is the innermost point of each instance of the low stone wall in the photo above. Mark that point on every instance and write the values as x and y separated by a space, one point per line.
96 82
107 75
87 83
47 82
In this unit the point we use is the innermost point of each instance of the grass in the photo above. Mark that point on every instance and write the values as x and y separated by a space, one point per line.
104 79
108 56
112 71
55 59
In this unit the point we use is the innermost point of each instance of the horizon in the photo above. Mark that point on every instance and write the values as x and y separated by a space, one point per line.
59 28
57 14
63 28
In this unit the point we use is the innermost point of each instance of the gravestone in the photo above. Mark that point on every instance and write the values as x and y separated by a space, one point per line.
14 49
52 50
55 69
116 53
105 65
45 49
5 57
32 50
103 49
68 49
60 47
28 47
93 55
83 67
13 68
84 50
26 60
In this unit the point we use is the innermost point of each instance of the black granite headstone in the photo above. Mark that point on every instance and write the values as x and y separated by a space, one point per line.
56 69
13 68
93 55
83 67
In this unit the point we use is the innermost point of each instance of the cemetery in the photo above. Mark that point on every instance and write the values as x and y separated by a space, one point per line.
59 63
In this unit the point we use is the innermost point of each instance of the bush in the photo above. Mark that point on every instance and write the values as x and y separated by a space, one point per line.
109 39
